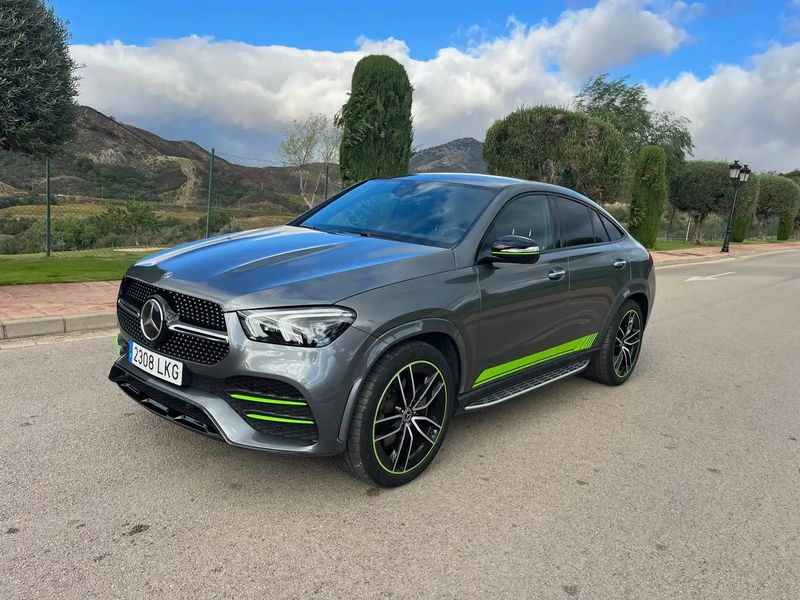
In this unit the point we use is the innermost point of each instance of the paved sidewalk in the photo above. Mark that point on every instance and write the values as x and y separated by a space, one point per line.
50 308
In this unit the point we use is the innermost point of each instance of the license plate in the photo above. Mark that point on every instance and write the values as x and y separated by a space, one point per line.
155 364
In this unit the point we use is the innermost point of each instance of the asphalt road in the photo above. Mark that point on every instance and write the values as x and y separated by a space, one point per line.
684 483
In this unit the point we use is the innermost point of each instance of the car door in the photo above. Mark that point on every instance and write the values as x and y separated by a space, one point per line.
521 304
598 267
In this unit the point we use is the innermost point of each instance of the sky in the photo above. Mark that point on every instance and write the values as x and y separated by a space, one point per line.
234 75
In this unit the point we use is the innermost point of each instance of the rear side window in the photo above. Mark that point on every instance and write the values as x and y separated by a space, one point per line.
600 233
575 221
613 231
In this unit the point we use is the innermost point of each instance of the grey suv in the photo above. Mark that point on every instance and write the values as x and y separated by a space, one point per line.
364 325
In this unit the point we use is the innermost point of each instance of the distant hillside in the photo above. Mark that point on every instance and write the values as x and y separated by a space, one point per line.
109 159
464 155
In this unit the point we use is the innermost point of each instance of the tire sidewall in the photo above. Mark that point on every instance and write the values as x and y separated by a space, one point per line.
385 370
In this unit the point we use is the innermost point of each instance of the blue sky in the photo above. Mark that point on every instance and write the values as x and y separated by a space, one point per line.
135 51
720 31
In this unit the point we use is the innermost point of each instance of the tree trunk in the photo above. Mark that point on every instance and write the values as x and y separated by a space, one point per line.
699 235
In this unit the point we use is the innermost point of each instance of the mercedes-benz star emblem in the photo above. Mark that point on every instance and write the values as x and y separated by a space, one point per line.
151 319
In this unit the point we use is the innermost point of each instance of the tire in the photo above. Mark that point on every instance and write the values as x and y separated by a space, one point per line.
603 367
379 410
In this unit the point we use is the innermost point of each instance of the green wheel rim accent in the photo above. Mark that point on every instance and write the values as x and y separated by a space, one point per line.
520 364
380 404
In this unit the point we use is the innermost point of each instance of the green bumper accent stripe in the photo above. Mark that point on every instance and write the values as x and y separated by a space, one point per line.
500 371
279 419
268 400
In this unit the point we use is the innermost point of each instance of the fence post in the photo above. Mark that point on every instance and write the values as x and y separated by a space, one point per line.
327 166
210 191
48 220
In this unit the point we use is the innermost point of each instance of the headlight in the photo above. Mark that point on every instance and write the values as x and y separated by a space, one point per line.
309 327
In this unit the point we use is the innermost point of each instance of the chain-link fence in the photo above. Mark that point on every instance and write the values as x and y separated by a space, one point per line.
111 202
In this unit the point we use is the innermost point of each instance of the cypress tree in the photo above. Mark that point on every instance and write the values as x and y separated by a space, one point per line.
376 121
648 194
37 79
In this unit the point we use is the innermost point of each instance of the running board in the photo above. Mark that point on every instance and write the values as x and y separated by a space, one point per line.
527 385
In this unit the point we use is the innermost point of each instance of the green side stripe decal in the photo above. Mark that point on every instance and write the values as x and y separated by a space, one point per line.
268 400
279 419
500 371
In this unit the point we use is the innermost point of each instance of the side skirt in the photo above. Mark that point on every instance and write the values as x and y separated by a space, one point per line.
524 383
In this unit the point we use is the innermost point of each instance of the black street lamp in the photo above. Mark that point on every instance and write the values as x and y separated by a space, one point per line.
739 174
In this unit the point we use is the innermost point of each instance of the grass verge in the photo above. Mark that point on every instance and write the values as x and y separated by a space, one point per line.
65 267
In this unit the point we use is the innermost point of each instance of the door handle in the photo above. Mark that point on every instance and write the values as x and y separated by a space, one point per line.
618 263
556 273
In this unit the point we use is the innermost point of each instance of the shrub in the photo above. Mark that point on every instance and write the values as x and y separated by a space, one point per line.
648 194
376 121
555 145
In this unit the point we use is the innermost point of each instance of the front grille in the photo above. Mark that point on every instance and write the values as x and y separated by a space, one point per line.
261 387
194 311
191 310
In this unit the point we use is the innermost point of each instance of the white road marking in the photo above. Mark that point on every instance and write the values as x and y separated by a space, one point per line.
708 277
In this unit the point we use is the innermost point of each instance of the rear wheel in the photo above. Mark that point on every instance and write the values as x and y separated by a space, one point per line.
620 348
401 415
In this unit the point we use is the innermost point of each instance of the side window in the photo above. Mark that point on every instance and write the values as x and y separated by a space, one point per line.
600 233
528 216
575 221
613 231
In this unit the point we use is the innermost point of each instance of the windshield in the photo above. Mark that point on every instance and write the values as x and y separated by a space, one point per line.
422 212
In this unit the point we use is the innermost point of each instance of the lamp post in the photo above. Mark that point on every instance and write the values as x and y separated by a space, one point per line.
738 174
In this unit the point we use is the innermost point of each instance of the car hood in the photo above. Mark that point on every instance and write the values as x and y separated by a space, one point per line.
287 266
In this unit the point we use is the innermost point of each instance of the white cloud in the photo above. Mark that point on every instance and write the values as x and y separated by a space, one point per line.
258 90
457 92
748 114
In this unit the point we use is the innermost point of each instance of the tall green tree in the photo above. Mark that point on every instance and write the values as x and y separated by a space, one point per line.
377 132
37 80
648 194
703 188
626 107
778 197
555 145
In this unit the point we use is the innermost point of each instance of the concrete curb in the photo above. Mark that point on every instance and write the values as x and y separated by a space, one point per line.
21 328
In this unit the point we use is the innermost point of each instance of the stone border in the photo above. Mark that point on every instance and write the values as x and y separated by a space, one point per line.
21 328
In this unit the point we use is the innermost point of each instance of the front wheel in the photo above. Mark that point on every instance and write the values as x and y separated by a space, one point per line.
620 348
401 415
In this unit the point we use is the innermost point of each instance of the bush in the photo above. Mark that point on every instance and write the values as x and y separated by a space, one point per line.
555 145
785 226
648 194
778 196
219 221
376 121
73 233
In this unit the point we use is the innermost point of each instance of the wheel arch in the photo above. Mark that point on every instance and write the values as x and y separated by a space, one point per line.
439 333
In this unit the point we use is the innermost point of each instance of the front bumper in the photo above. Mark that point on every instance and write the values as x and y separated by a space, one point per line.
327 379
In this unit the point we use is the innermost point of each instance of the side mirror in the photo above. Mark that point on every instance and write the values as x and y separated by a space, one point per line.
515 249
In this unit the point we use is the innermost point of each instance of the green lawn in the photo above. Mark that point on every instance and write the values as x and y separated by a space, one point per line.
677 245
99 265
